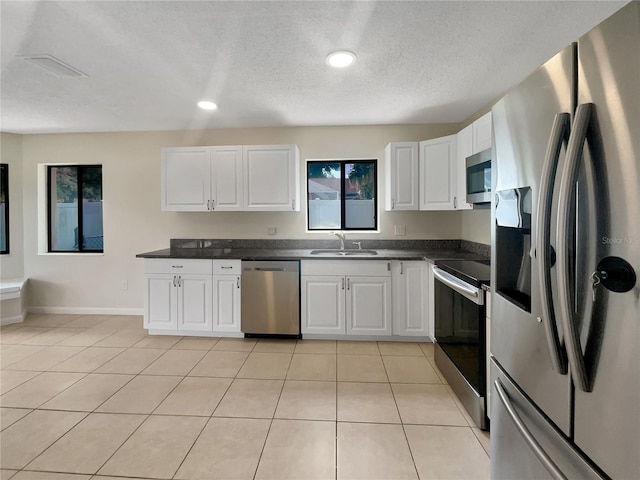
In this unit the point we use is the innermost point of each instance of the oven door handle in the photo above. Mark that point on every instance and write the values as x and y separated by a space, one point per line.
468 291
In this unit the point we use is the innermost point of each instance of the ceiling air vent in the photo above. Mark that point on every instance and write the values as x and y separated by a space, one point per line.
52 65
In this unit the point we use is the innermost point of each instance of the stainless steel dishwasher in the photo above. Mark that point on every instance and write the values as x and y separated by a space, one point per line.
270 298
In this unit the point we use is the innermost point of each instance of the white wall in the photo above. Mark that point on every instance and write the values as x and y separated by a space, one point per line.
12 265
133 222
476 225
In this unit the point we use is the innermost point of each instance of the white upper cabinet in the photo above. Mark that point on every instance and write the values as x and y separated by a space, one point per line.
401 176
201 179
271 177
226 178
438 181
482 133
464 150
231 178
186 181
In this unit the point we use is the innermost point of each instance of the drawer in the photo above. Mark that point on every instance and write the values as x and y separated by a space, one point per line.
228 267
351 268
177 265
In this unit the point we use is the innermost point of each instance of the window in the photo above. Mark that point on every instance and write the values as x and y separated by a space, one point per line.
4 208
75 208
342 195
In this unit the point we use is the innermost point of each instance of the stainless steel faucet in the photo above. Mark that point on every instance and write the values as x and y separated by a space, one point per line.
341 236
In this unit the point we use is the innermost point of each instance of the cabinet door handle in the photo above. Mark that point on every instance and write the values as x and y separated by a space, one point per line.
179 281
455 202
401 268
209 205
213 205
293 204
348 284
174 280
238 282
342 283
393 203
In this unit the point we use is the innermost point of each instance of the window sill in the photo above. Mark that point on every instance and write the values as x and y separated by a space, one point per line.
81 254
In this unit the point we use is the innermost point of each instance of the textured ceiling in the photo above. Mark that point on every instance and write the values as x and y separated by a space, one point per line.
263 63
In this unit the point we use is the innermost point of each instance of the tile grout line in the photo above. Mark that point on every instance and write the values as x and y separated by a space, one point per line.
275 409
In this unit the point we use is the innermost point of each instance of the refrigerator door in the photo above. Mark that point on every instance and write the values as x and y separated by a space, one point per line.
523 121
607 419
527 445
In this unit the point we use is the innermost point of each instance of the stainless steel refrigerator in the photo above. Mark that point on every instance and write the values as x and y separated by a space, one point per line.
565 344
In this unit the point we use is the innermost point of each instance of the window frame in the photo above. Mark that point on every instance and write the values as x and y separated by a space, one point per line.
343 179
5 180
79 168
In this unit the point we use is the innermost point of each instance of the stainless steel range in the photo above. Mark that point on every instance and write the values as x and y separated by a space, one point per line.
460 330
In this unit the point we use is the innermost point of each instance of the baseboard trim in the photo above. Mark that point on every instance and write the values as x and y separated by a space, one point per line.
86 310
12 320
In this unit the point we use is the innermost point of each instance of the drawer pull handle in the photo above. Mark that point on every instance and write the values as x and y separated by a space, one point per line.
177 266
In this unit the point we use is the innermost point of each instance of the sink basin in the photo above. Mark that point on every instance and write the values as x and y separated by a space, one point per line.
343 253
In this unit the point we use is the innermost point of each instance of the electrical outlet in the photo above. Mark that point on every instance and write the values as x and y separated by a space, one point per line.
271 230
400 230
125 285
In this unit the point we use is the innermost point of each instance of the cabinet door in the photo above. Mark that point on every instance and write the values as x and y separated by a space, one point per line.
464 150
194 303
401 177
369 305
438 183
186 179
322 304
161 302
410 290
226 178
271 177
226 303
482 133
431 304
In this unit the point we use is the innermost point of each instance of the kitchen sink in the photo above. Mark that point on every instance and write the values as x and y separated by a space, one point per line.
343 253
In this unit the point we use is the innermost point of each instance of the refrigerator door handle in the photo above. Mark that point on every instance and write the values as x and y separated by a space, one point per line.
567 189
559 132
527 435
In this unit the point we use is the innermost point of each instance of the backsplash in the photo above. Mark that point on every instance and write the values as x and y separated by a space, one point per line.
477 248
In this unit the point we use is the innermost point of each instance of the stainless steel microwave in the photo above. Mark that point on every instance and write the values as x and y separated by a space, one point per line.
479 177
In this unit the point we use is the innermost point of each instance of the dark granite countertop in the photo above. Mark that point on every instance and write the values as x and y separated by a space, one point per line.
305 254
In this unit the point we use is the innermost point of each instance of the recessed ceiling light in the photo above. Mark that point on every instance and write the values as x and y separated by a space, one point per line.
341 59
206 105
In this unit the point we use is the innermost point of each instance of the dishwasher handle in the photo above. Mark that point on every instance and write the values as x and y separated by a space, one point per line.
269 269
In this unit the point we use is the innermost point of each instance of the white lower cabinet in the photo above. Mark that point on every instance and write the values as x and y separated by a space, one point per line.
410 298
192 296
368 305
227 288
346 297
194 302
323 304
178 295
431 307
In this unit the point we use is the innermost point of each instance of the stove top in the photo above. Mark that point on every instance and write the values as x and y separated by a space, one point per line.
476 273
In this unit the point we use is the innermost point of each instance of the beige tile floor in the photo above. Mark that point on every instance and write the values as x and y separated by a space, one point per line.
95 397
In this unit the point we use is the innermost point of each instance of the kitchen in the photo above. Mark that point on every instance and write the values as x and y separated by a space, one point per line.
123 152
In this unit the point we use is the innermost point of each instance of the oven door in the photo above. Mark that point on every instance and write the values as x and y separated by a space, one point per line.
460 327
